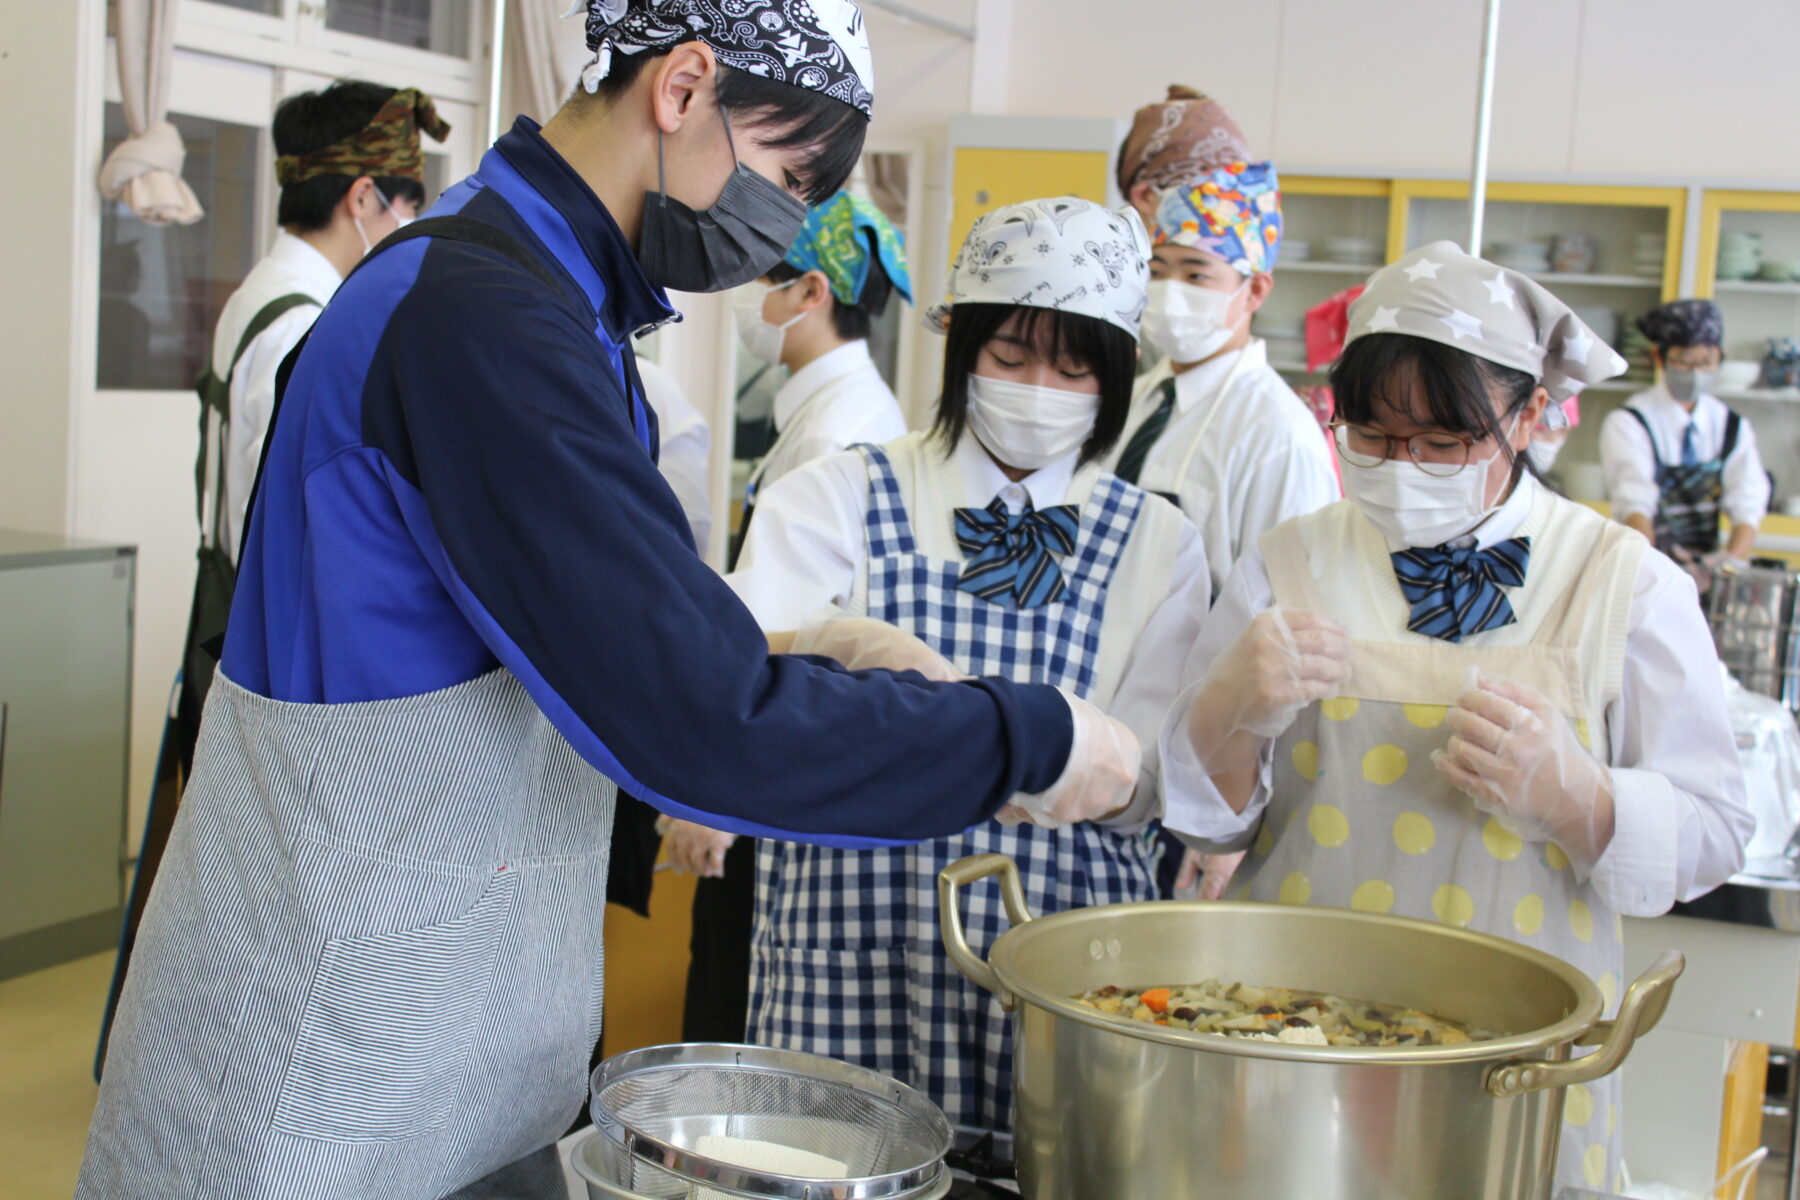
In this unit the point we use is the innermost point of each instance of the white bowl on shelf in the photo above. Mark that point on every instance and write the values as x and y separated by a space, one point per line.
1738 376
1294 250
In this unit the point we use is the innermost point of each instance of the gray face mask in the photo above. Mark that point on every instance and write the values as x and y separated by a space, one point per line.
1688 386
745 232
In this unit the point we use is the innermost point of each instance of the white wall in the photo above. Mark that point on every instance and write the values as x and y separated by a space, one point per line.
1632 88
39 92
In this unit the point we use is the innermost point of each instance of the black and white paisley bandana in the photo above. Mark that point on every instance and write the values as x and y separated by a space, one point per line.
820 45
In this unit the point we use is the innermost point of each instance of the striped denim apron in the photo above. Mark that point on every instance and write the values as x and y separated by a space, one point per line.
846 958
371 964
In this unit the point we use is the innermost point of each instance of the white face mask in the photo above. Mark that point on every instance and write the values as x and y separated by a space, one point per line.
1028 427
761 340
1414 509
1543 454
1187 322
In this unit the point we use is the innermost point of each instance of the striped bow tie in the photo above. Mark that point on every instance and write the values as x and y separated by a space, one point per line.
1010 553
1456 593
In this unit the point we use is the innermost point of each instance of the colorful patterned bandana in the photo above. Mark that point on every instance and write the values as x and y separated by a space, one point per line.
1064 253
1178 140
387 146
1232 213
1684 323
819 45
1443 295
841 238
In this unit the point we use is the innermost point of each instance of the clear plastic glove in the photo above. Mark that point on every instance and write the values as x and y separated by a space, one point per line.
862 643
695 849
1205 876
1518 759
1283 661
1101 774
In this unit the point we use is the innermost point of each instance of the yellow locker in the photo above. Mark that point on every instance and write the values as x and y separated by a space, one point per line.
986 179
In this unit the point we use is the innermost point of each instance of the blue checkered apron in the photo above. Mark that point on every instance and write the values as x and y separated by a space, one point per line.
847 960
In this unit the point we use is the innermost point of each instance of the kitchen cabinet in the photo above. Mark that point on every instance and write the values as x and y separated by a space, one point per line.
65 700
1745 238
1328 220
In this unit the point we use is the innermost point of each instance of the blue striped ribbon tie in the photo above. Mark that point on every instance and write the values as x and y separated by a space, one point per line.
1457 593
1010 554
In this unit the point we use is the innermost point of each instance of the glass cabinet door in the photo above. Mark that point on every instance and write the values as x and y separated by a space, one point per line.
436 26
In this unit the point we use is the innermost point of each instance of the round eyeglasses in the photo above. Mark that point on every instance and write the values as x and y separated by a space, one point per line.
1440 454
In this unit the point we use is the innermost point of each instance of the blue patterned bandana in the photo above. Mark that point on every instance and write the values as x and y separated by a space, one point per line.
1457 593
841 238
1009 554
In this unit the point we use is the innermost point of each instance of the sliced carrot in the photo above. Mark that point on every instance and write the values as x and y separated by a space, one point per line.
1156 999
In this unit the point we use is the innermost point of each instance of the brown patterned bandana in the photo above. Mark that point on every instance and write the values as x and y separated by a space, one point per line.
1179 140
387 146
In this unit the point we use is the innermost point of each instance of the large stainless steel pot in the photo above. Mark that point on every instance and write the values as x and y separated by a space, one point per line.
1111 1108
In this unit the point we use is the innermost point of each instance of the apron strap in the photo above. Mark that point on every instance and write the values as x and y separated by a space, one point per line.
1290 570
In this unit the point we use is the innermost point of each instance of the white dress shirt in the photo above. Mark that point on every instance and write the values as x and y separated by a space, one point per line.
807 549
835 401
1241 453
1630 466
685 448
1680 817
292 265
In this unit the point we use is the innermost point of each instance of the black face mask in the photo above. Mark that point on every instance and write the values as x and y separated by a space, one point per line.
741 237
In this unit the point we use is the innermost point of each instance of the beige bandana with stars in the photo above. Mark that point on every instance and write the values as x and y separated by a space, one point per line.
1441 294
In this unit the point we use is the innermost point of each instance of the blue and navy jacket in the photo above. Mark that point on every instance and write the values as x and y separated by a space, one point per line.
462 476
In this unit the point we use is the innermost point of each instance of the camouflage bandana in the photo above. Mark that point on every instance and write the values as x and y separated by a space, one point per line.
387 146
819 45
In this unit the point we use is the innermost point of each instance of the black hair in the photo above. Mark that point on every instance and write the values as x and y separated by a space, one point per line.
853 322
787 117
1109 351
314 120
1459 387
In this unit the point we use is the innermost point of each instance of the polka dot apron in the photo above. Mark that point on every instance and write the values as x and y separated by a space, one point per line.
1360 818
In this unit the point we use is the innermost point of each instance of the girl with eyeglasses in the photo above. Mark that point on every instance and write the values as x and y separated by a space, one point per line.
1457 695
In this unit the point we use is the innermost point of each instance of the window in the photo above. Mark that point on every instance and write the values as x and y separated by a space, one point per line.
162 286
440 26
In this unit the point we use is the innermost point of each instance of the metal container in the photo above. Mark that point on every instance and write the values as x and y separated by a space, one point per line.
657 1109
589 1158
1753 617
1108 1107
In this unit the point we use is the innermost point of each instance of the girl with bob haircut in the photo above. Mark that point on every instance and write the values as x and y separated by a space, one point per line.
992 544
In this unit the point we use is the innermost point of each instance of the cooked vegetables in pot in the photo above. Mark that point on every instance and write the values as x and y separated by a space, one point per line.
1280 1015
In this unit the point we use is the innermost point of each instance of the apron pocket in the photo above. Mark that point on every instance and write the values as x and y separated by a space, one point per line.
389 1024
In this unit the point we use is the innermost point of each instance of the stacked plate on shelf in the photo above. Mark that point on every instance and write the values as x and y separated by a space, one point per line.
1286 338
1353 251
1636 349
1294 250
1740 254
1652 251
1528 257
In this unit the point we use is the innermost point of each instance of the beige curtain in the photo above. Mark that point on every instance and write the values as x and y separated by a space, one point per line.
544 54
145 169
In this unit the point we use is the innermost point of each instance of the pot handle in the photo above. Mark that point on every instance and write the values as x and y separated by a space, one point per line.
961 873
1644 1004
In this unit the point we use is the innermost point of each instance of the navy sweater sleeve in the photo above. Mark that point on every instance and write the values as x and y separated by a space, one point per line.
512 453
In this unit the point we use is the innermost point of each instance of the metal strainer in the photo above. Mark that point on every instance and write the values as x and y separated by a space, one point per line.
653 1108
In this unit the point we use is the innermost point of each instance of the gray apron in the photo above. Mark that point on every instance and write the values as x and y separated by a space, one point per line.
1359 818
371 965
